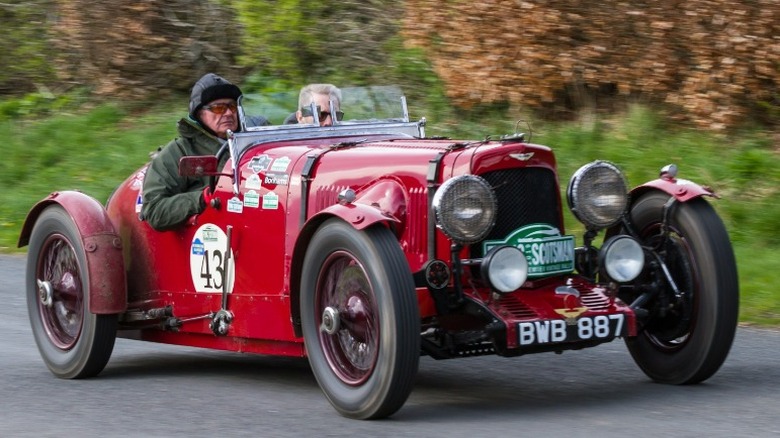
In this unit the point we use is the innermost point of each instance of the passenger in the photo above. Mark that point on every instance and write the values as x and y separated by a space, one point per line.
320 94
169 199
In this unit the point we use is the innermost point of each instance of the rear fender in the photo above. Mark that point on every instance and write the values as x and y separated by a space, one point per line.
102 248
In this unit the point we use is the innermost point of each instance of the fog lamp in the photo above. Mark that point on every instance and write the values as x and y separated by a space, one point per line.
622 258
505 267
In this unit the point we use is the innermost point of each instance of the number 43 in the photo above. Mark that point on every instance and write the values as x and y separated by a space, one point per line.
217 276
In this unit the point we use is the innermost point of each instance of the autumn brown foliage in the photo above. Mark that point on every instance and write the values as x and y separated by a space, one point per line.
715 63
137 48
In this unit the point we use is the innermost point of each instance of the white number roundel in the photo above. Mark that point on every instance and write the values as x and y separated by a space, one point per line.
207 260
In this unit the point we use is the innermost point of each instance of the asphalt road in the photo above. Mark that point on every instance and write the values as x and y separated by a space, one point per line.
152 390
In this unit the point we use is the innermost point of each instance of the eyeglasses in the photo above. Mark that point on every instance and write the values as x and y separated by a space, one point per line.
306 112
221 108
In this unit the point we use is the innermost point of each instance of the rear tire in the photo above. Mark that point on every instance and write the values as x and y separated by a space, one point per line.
692 340
73 342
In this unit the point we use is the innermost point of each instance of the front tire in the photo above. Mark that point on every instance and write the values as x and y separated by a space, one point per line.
360 319
73 342
686 339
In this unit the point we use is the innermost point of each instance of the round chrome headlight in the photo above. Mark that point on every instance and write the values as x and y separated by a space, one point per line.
505 267
465 208
622 258
598 194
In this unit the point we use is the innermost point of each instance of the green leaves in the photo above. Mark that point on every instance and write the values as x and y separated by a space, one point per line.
25 57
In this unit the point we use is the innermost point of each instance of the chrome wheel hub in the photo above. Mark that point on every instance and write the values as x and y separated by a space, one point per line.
45 293
330 321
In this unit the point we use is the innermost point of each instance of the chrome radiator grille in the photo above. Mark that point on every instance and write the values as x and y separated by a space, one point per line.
525 196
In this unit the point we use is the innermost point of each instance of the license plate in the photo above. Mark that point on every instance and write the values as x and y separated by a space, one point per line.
586 328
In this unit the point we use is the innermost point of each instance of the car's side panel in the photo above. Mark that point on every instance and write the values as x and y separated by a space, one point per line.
260 298
228 343
178 268
156 262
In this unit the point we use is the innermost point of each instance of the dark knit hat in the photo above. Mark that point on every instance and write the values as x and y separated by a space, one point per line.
210 88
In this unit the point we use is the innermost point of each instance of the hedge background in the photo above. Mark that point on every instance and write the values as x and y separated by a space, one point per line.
717 62
712 63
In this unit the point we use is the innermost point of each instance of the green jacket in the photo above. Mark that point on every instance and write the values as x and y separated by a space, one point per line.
169 199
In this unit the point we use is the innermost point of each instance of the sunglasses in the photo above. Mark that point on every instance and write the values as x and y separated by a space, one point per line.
221 108
306 112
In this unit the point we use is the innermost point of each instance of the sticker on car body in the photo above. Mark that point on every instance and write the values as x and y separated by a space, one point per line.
235 205
138 178
280 164
270 201
548 252
259 163
276 179
253 182
251 199
207 260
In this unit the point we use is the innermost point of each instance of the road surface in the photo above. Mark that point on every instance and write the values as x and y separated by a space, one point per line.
153 390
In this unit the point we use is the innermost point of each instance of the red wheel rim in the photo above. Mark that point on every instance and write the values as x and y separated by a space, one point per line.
61 294
352 351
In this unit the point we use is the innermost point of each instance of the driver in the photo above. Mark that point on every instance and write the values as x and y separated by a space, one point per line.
168 198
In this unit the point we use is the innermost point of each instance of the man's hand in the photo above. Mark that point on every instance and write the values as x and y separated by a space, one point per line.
210 198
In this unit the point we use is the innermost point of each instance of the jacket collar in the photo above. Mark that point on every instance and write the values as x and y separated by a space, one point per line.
190 128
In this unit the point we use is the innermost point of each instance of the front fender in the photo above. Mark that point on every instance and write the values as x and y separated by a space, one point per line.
360 216
102 248
683 190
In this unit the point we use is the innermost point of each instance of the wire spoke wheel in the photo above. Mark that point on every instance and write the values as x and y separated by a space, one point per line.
360 319
352 350
73 342
60 291
672 331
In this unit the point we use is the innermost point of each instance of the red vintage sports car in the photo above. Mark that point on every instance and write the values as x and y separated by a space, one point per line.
364 245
